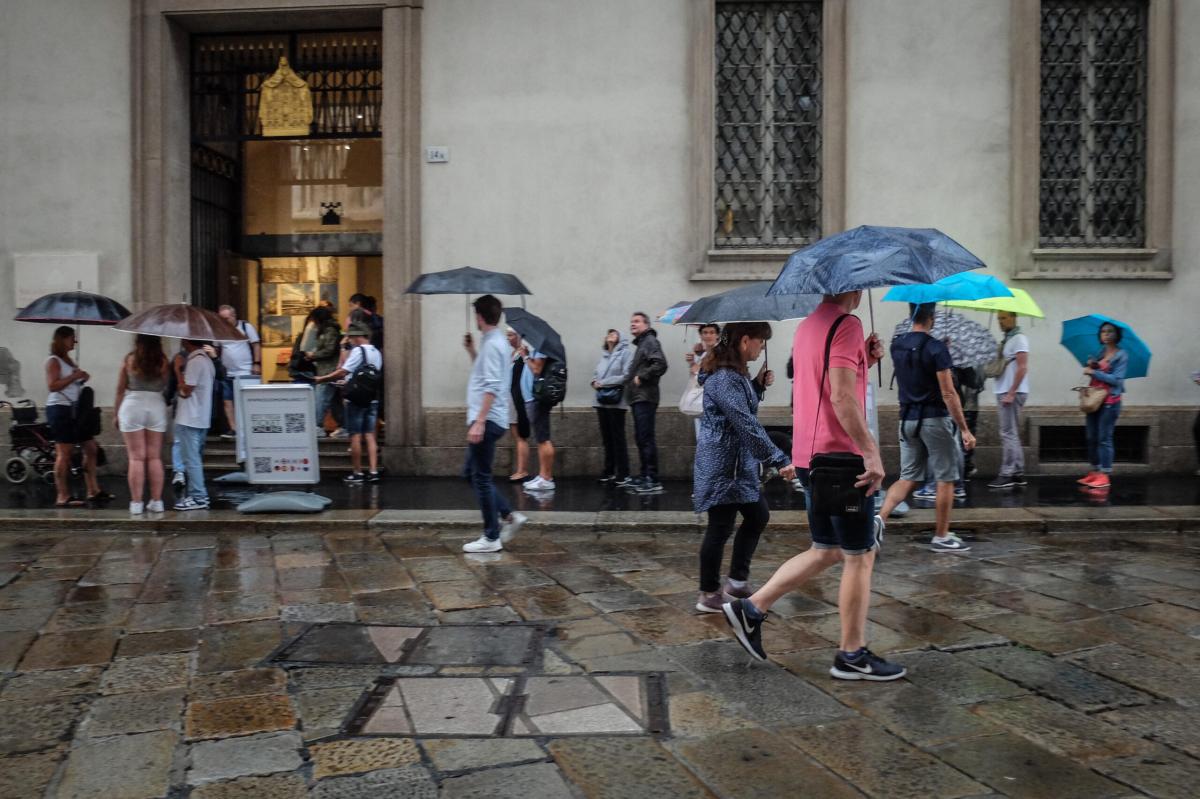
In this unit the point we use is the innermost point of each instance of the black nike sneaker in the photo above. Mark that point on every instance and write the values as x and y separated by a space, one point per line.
747 629
865 665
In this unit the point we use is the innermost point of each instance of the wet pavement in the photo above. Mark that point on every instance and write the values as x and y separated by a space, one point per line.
586 495
353 663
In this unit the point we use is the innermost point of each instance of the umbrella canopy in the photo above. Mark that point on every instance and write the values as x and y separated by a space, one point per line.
467 280
749 304
179 320
537 332
73 308
963 286
872 257
1081 337
1019 303
672 314
970 343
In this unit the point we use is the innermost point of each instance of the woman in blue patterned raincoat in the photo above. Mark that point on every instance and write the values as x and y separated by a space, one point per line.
729 449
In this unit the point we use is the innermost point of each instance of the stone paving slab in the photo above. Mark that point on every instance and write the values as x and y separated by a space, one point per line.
1021 770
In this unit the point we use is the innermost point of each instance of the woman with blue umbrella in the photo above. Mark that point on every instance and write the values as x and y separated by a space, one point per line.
1121 355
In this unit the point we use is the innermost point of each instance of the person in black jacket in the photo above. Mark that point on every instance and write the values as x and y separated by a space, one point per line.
646 367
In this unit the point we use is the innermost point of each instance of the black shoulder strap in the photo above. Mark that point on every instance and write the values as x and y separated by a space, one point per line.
824 375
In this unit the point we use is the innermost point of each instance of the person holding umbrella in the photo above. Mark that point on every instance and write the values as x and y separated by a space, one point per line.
142 419
193 415
64 380
1107 370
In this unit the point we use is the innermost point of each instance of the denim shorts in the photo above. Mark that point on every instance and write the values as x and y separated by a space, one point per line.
361 419
61 421
854 535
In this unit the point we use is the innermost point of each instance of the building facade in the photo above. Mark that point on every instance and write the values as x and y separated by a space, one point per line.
617 156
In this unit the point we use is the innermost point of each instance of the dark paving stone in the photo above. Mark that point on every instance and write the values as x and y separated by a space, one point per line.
223 718
1163 774
228 608
666 626
29 619
370 579
257 580
882 639
108 572
145 711
769 694
1042 606
1063 731
474 646
656 582
951 676
459 594
1165 722
102 593
956 607
26 593
547 602
28 775
514 577
936 629
318 612
400 607
758 763
312 678
646 769
1048 636
466 754
322 712
236 646
1180 619
610 601
334 643
1093 596
879 763
1021 770
529 781
126 766
915 714
80 648
438 569
1151 674
30 726
138 644
12 647
158 616
42 685
305 579
899 587
410 782
1057 679
89 615
499 614
228 684
146 673
1143 638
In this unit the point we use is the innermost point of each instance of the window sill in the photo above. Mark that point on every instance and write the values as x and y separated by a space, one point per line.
1095 263
742 264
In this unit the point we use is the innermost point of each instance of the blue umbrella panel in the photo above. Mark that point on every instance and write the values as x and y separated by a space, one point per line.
1081 337
963 286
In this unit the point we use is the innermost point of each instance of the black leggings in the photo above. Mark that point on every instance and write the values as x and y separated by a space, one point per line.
721 518
1196 436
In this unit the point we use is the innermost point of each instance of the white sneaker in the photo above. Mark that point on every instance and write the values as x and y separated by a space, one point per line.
533 483
510 528
483 544
137 508
339 433
901 509
188 503
154 506
539 483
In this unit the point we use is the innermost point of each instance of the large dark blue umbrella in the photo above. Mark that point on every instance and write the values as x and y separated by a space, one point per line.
537 332
748 304
870 257
73 308
468 280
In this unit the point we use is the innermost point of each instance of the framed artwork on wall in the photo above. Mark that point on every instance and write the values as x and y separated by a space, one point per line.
277 331
296 299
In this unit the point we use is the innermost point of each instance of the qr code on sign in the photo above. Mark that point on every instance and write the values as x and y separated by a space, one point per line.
293 422
262 465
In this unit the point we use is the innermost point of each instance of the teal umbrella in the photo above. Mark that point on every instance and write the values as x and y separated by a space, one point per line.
1081 337
962 286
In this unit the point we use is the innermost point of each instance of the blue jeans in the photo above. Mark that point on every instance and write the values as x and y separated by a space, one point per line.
478 469
1100 427
176 455
325 392
191 451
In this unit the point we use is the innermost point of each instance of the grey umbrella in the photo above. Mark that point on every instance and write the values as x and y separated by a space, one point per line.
537 332
749 303
970 343
468 280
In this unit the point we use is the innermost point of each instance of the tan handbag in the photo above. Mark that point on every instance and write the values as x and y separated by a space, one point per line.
1091 398
995 367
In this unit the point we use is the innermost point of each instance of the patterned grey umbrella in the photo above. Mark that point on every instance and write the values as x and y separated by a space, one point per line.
970 342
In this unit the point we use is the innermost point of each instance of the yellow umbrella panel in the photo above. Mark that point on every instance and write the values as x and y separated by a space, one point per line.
1019 303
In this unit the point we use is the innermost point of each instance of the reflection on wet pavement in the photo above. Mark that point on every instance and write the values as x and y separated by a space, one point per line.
353 663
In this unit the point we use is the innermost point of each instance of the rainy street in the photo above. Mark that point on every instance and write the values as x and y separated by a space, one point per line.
355 663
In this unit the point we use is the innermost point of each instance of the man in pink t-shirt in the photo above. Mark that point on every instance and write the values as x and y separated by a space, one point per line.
829 415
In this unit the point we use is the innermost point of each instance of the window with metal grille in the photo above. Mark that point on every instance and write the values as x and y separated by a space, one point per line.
1068 444
768 124
1093 123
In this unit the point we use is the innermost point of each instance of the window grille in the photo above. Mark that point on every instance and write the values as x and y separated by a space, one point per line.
1093 123
768 124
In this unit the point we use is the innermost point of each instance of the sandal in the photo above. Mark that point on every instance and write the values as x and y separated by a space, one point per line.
72 502
518 478
101 496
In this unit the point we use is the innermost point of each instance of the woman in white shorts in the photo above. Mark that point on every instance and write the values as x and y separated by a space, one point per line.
142 418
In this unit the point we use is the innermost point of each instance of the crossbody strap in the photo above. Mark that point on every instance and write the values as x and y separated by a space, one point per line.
821 386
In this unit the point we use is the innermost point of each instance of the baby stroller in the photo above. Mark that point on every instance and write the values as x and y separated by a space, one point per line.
33 450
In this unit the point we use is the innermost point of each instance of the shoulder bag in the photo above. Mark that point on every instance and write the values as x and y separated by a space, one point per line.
995 367
609 395
692 401
832 475
1091 398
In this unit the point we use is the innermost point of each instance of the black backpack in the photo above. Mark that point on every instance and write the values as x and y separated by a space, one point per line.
550 388
375 322
363 386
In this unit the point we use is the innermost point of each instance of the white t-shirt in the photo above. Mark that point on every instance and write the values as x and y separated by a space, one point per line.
195 410
355 359
238 356
1018 343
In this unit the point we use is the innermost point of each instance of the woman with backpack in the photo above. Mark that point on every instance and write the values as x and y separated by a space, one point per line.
363 370
64 380
142 419
730 449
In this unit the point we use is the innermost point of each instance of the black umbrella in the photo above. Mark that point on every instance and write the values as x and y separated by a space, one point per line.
467 280
749 304
73 308
537 332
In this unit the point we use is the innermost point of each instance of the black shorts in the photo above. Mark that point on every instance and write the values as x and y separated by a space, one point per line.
522 417
539 420
61 421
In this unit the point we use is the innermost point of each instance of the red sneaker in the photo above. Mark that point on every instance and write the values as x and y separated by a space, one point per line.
1100 481
1087 478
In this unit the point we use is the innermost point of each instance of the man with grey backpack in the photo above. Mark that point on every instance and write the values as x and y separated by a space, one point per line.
363 370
